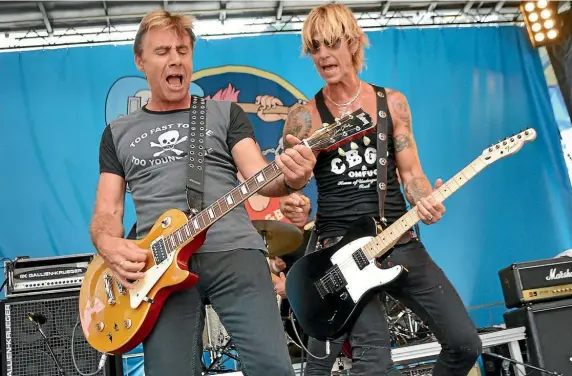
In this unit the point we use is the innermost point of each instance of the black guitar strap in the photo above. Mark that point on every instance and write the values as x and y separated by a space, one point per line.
195 172
382 152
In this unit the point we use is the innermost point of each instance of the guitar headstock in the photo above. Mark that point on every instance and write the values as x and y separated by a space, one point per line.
508 146
348 128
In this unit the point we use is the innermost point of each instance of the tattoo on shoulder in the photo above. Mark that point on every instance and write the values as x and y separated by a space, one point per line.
401 109
401 142
298 123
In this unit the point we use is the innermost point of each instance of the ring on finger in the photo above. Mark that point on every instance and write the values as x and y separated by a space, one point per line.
430 218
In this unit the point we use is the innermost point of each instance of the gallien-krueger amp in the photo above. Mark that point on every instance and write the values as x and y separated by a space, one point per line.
536 281
49 274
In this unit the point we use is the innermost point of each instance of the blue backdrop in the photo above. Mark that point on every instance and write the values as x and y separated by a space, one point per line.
467 88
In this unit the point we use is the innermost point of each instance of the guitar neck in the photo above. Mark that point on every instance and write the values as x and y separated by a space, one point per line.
222 206
329 136
382 243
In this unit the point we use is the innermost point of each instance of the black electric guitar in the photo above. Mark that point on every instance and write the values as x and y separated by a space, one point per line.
327 288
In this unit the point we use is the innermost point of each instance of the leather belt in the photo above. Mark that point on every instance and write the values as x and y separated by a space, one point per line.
330 241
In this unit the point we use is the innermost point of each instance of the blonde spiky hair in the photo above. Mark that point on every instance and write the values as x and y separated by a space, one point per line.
332 22
162 19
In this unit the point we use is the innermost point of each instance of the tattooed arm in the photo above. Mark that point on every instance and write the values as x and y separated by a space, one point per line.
415 183
296 163
298 124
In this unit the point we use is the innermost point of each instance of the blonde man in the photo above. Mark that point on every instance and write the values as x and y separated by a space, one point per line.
149 150
347 190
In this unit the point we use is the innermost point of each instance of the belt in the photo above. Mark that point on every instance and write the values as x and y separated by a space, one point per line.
330 241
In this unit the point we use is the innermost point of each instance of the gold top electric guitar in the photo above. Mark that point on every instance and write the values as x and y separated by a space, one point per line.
114 319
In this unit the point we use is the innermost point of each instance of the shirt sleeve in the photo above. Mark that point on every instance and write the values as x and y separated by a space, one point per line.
108 160
240 127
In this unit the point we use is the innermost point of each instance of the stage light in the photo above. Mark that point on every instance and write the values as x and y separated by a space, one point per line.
533 17
541 21
529 7
548 24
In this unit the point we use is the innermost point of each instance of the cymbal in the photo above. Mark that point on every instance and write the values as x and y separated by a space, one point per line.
280 237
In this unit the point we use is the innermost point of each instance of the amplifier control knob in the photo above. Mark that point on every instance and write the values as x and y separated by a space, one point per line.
100 326
127 323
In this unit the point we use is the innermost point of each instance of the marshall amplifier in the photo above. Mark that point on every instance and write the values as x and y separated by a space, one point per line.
548 335
44 275
536 281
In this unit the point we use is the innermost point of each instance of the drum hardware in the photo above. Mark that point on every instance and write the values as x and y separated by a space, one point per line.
279 237
218 344
405 327
217 356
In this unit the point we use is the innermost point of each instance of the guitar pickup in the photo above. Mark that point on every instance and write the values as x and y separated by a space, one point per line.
360 259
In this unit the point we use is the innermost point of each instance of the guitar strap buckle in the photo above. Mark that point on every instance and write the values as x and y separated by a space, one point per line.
197 154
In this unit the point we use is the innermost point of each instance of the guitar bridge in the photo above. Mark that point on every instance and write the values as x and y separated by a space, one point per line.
331 283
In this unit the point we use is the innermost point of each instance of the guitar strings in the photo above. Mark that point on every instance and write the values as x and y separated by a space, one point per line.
413 212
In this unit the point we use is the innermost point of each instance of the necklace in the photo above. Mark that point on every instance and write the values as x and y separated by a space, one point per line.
344 107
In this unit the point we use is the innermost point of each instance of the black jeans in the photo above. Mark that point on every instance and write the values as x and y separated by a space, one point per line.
429 294
239 287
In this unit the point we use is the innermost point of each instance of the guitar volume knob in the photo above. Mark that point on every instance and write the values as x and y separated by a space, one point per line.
127 323
100 326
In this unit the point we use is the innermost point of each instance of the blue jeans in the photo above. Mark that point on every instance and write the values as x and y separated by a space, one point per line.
429 294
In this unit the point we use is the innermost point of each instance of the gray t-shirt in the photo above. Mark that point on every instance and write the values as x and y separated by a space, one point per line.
150 151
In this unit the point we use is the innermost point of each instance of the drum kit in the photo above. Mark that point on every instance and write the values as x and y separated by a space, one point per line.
281 238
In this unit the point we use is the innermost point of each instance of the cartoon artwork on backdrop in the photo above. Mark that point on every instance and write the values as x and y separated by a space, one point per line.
265 97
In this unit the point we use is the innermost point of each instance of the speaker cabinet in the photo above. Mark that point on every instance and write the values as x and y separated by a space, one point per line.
549 335
24 351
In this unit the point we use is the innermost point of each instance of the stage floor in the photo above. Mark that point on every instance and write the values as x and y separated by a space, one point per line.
417 353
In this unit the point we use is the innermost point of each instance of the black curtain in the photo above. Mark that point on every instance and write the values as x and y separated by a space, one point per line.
561 59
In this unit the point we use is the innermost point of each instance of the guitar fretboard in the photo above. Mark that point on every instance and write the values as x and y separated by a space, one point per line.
350 126
221 207
382 243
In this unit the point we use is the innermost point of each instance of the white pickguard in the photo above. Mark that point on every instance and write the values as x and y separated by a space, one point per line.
360 281
145 284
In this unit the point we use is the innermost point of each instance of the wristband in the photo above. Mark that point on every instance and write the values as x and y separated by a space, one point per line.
292 190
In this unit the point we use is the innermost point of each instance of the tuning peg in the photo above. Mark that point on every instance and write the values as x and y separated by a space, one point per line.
325 124
366 141
353 146
337 120
341 152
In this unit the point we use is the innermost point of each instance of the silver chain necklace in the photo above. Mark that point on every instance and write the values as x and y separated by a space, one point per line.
343 107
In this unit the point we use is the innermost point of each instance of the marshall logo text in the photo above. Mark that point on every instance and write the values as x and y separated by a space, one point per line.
560 275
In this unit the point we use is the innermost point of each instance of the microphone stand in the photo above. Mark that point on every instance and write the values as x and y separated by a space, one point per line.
523 364
60 369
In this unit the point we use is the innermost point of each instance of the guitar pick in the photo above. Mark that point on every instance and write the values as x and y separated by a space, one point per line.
366 141
341 152
353 146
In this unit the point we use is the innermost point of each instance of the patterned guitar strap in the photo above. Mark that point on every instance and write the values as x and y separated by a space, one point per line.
197 153
382 153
